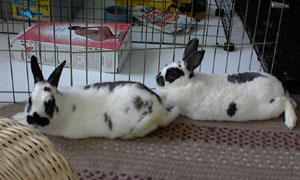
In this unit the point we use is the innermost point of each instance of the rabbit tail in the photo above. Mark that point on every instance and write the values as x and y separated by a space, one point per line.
289 113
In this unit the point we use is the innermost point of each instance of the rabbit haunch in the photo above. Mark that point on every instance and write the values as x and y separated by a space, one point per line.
114 110
233 97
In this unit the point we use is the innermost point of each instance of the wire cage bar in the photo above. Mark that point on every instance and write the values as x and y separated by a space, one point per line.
224 9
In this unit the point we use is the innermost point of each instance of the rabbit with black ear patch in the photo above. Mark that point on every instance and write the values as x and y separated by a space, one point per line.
232 97
115 110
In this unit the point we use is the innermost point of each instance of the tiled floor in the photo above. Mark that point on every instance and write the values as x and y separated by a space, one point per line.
225 62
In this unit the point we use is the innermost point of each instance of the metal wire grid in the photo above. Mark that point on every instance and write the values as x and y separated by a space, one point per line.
259 19
61 12
146 36
225 10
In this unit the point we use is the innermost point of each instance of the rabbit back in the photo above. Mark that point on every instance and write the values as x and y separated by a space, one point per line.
223 97
126 110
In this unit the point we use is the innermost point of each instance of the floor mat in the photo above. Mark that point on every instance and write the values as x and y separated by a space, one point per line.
188 149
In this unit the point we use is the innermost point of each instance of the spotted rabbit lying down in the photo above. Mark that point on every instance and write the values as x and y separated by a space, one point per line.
114 110
233 97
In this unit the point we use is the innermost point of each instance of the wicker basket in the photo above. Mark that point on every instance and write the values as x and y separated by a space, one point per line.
26 154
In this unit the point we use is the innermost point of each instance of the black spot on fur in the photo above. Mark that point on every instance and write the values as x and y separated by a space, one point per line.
146 103
36 119
140 119
173 74
57 110
28 107
138 102
132 129
142 86
101 85
150 110
243 77
107 119
147 106
169 109
160 81
50 107
47 89
110 124
74 108
231 109
272 100
192 74
113 85
87 87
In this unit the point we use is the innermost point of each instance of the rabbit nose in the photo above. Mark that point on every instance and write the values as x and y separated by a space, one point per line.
37 120
30 120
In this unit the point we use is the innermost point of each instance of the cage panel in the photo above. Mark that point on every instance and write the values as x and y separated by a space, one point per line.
237 36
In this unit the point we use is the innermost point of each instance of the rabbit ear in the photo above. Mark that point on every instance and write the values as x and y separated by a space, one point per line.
194 60
190 48
55 75
36 71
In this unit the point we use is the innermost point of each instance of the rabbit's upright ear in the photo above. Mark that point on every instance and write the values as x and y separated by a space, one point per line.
55 75
194 60
190 48
36 71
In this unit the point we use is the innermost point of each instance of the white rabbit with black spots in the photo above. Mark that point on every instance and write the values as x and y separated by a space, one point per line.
113 109
229 97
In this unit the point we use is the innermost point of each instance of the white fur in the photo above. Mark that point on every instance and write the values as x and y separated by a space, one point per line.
88 120
207 97
20 118
114 110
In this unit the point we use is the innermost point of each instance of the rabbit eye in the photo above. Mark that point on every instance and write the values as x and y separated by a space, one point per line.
50 107
47 89
173 74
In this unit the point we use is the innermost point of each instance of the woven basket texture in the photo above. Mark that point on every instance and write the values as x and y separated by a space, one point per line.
26 154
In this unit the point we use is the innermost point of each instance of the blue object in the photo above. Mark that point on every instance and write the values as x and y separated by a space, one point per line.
116 14
31 14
